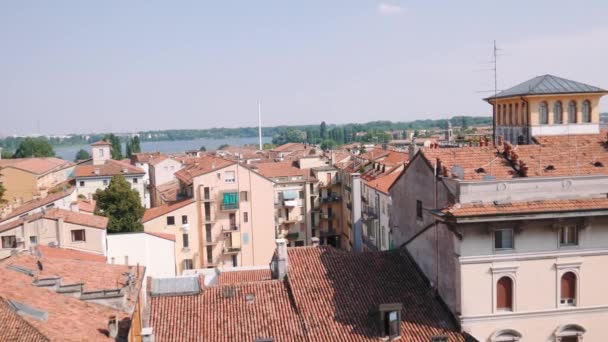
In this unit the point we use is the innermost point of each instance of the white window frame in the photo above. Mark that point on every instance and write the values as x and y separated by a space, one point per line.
500 270
559 236
562 267
227 178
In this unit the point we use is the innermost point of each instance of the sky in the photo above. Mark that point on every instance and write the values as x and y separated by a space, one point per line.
125 66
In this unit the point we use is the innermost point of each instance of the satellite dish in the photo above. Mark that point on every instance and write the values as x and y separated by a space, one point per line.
457 172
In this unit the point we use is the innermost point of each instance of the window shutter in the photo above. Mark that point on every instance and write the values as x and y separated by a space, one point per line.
504 293
568 286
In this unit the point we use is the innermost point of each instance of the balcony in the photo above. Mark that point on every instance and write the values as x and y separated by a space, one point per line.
370 213
230 206
291 203
230 228
332 199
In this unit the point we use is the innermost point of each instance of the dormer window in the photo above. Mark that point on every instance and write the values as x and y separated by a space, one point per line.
390 320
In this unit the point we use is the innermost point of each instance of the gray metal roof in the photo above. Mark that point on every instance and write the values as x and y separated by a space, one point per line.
547 84
175 286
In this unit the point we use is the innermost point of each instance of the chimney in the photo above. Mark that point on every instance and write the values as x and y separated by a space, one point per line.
356 212
315 241
147 334
281 260
112 327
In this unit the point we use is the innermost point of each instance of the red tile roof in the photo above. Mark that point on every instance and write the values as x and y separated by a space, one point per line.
169 191
386 180
279 169
145 157
201 166
235 277
162 235
290 147
69 318
528 207
86 205
153 213
471 159
101 143
35 204
64 253
109 168
335 291
37 166
88 220
222 313
14 328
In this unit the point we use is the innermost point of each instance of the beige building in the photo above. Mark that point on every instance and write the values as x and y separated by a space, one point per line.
31 178
546 105
57 228
226 219
96 173
513 238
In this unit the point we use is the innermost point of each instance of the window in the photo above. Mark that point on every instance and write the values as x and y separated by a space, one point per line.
185 241
170 220
235 261
244 196
568 236
210 254
33 240
135 180
78 235
105 182
558 113
498 114
392 321
568 289
81 184
587 111
505 335
572 112
9 241
504 294
419 210
516 114
510 114
231 201
503 239
101 152
208 236
229 177
49 206
188 265
245 217
184 219
543 113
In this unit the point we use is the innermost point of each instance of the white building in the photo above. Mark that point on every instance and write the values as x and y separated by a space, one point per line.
156 251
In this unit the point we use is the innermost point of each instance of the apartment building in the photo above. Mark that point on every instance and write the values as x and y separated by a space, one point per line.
326 218
162 171
143 160
514 238
96 173
225 219
31 178
56 227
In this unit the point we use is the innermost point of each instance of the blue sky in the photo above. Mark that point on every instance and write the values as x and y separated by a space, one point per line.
83 66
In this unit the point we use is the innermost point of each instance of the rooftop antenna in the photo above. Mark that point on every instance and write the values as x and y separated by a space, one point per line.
260 124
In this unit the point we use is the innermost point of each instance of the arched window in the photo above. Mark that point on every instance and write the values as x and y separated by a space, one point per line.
569 333
510 114
524 113
498 113
504 114
568 289
516 114
572 112
505 335
558 113
543 114
504 294
586 111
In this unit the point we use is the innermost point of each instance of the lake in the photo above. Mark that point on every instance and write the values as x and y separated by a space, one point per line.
175 146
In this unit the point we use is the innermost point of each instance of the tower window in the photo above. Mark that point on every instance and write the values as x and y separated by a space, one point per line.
568 289
572 112
543 113
558 113
504 294
587 111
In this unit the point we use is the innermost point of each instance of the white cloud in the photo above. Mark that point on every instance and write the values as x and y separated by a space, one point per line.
386 8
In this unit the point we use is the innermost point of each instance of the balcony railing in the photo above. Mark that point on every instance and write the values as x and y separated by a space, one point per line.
231 250
230 206
370 213
332 199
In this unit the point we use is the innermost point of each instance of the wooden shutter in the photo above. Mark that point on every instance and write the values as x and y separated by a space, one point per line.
568 286
504 293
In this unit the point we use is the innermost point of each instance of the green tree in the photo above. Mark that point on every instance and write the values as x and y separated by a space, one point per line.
6 154
328 144
34 147
2 191
82 155
223 146
323 130
116 149
135 145
268 146
121 205
202 149
128 149
288 135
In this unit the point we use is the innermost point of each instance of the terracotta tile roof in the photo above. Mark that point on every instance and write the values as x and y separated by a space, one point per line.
335 290
169 191
328 295
35 204
14 328
290 147
86 205
395 158
236 277
201 166
153 213
101 143
93 221
528 207
471 159
384 182
373 154
162 235
64 253
279 169
145 157
110 168
222 313
158 160
341 156
37 166
69 318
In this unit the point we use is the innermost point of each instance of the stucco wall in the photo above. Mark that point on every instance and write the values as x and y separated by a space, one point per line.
20 185
157 254
91 184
